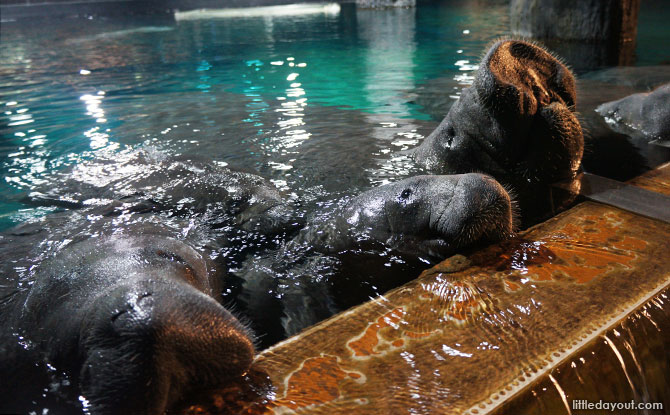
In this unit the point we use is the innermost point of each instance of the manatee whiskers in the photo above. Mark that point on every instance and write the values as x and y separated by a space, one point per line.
429 215
133 321
516 122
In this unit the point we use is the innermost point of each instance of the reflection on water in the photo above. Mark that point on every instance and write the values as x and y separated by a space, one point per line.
286 96
319 104
289 10
322 105
628 363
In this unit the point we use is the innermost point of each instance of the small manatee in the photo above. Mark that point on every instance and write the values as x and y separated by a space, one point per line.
647 112
376 241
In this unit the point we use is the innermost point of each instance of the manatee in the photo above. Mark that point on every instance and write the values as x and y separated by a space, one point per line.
516 122
148 180
132 317
428 215
373 242
646 112
614 149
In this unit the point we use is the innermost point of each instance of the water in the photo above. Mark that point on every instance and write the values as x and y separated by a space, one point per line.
320 104
628 363
261 93
264 93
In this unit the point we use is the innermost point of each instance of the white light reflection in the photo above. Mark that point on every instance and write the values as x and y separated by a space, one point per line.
450 351
19 119
401 136
28 163
291 114
97 137
389 74
93 107
267 11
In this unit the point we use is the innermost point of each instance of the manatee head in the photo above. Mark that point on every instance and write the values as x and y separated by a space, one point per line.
422 215
516 122
135 321
646 113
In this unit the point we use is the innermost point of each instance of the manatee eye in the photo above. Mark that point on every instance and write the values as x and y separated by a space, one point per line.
450 135
406 193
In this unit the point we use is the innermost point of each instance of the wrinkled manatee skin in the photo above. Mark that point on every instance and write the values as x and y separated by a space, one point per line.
134 320
427 215
397 228
516 123
648 113
149 181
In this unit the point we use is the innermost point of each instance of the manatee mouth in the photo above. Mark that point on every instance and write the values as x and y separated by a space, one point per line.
487 157
480 211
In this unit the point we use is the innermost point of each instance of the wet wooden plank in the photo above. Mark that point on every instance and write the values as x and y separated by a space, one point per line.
470 332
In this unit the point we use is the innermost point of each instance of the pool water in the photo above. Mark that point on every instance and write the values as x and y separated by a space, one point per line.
323 105
258 92
285 96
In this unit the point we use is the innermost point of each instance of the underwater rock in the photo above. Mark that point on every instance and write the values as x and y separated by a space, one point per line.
575 19
587 34
516 123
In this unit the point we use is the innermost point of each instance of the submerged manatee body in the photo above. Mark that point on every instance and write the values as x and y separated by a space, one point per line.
646 112
516 123
377 240
148 180
132 318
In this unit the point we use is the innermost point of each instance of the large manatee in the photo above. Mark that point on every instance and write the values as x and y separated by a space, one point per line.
375 241
422 215
131 317
516 122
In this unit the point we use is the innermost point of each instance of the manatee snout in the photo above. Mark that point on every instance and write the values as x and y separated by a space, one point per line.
134 319
479 210
429 215
516 122
146 345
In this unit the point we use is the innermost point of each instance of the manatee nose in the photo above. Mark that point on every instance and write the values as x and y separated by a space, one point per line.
150 344
480 210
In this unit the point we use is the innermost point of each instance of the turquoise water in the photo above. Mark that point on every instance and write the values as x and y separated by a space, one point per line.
323 105
79 88
321 102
